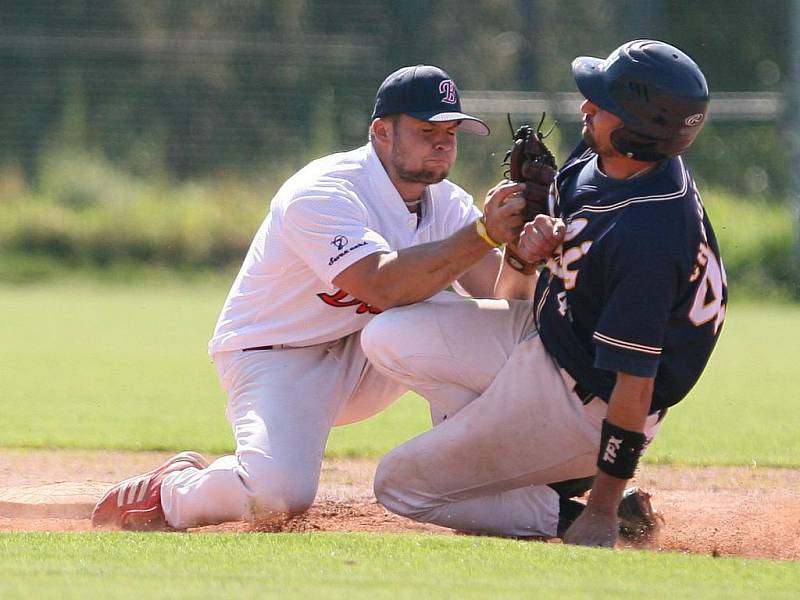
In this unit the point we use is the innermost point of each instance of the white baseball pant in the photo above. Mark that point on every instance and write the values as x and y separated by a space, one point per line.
281 406
511 421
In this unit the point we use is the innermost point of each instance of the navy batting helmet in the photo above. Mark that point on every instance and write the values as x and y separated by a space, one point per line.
660 94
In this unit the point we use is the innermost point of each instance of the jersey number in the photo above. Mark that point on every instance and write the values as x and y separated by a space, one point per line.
708 301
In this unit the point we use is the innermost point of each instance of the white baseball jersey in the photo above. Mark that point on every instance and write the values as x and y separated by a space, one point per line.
330 214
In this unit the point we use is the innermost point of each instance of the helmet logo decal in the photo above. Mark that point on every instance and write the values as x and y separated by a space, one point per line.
694 120
448 91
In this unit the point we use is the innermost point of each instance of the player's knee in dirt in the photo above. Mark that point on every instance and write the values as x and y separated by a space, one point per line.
276 491
280 498
392 491
384 486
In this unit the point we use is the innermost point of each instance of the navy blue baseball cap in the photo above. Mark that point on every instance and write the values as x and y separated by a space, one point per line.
424 92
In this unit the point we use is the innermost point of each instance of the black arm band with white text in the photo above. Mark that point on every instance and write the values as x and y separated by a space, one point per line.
620 450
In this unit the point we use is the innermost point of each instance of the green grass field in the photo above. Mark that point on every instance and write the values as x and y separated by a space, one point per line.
126 367
350 566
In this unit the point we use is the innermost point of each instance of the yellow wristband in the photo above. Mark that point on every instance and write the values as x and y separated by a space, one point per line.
480 226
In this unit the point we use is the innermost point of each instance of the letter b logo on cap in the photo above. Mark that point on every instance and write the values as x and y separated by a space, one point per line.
448 91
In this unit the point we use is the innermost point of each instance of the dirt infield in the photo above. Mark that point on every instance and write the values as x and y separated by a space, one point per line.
749 512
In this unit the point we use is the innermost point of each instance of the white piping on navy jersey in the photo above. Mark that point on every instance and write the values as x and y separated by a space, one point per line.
542 301
626 345
585 154
639 199
635 200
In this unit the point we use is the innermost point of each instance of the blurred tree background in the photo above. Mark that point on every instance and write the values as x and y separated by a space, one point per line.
118 101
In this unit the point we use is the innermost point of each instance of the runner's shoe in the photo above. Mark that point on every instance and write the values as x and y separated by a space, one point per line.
135 504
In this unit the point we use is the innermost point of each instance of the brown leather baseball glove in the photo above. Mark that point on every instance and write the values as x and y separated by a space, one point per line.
531 162
638 520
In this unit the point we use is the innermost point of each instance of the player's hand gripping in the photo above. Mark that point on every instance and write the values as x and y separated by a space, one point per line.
503 211
593 528
540 238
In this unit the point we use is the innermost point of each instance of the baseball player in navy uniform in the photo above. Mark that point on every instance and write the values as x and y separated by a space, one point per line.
347 236
571 376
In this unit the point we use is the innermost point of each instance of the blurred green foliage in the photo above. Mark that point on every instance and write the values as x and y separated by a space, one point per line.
153 133
755 238
191 88
88 215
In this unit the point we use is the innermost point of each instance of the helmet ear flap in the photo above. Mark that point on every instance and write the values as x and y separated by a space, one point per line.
637 146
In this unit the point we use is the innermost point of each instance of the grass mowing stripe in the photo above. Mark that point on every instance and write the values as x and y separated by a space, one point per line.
90 366
364 566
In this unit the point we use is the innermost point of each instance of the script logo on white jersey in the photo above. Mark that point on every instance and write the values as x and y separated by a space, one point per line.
340 242
341 299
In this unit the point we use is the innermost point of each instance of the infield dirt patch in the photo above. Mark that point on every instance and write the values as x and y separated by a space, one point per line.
721 511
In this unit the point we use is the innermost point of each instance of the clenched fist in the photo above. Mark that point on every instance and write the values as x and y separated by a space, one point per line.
540 238
503 211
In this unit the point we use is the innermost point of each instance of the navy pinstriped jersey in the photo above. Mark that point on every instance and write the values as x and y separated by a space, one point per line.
638 285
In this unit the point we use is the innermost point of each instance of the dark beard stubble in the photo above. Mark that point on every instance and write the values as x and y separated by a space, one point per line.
425 176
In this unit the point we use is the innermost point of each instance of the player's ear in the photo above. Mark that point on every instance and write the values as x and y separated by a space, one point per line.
382 130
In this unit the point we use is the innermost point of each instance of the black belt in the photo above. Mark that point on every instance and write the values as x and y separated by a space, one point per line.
270 347
273 347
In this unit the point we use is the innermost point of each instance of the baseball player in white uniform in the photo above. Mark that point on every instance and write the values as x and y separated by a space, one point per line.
348 235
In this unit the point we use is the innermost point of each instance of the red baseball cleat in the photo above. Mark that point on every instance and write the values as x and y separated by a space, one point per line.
135 504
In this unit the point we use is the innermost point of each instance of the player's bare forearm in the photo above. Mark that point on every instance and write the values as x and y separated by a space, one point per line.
514 285
630 401
479 281
413 274
538 241
628 409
